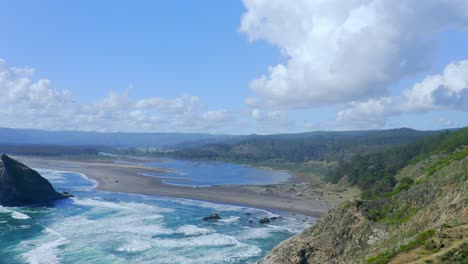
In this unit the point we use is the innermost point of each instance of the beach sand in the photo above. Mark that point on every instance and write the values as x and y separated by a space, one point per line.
126 178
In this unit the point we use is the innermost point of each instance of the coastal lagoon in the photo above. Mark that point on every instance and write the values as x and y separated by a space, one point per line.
210 173
106 227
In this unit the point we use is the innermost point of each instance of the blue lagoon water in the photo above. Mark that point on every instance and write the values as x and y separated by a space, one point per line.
209 173
105 227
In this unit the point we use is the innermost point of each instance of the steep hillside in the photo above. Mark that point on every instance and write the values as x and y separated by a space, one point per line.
423 219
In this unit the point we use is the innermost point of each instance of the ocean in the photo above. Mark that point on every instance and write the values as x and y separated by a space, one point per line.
107 227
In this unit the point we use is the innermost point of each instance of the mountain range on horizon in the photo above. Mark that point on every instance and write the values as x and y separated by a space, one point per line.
177 140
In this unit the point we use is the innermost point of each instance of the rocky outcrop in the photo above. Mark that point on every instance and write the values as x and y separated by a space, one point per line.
21 185
421 222
212 217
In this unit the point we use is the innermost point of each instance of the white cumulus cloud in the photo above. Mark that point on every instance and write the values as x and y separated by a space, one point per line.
216 115
29 103
448 90
338 51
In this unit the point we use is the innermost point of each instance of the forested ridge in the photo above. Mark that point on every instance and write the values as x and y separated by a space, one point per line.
328 146
375 173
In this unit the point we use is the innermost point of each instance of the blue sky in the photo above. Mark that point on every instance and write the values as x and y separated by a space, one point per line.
188 66
163 48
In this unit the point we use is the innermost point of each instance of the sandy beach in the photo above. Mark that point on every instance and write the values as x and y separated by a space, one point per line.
126 178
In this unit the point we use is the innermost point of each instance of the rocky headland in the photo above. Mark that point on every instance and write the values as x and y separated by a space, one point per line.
21 185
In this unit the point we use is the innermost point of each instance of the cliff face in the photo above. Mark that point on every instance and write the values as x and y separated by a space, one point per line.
426 223
21 185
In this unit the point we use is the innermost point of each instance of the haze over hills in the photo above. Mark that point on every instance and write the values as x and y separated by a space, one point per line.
114 139
317 145
157 139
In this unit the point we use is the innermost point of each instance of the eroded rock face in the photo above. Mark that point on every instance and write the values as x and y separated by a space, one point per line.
21 185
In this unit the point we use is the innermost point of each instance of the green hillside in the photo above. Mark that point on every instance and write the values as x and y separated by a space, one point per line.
375 173
413 209
329 146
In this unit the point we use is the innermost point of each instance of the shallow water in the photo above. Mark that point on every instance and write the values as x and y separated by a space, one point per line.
209 173
105 227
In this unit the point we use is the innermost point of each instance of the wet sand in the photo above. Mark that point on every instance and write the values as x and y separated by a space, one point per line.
125 178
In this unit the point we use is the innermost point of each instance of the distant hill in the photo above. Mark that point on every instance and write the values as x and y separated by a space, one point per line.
319 145
117 139
330 146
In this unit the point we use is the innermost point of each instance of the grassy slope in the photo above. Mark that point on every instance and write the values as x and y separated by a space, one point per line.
426 220
412 224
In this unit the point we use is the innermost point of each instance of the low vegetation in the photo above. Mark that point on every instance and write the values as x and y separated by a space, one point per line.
375 173
385 256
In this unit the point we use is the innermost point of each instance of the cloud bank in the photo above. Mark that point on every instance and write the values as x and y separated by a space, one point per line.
26 103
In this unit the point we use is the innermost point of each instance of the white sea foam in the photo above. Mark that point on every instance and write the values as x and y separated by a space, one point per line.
230 219
22 227
191 230
214 206
57 176
14 214
131 218
51 175
93 181
144 211
45 251
18 215
97 202
146 207
290 226
215 255
217 249
80 226
135 246
255 233
198 241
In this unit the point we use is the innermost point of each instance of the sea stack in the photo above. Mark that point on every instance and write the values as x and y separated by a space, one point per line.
21 185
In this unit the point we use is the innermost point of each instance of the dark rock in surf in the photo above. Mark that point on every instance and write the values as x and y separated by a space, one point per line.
212 217
21 185
265 220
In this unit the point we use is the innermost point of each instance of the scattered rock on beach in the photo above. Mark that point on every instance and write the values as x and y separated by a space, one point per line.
212 217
